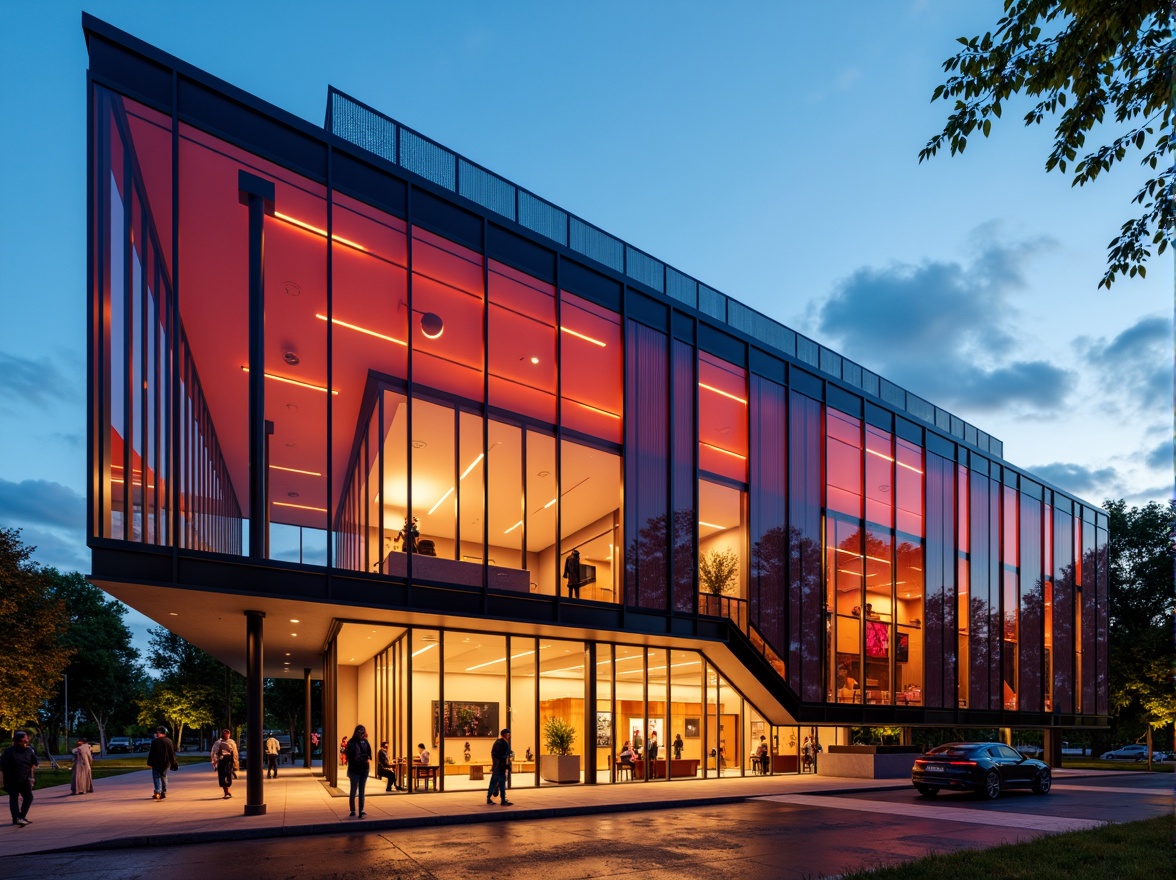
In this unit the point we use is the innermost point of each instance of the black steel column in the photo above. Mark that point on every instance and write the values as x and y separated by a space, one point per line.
590 714
258 195
254 713
306 746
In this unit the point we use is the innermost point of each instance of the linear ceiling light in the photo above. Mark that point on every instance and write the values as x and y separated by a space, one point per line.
473 465
298 382
359 329
278 467
879 454
712 525
299 506
448 492
571 332
721 449
420 651
512 528
499 660
908 467
302 224
722 392
596 409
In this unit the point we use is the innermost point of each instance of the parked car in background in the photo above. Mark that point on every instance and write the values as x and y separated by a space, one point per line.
1033 751
142 744
986 768
1133 752
119 745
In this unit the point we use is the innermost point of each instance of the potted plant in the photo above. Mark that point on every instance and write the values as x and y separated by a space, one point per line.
718 571
559 764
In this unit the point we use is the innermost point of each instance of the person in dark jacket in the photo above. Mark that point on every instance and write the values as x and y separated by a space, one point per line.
161 757
573 573
499 757
359 763
18 764
385 768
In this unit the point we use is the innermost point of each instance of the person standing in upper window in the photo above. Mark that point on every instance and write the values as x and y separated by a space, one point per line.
573 574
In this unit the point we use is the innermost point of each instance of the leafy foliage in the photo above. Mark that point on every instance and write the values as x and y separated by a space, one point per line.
196 684
1142 657
558 736
1095 66
717 571
33 622
105 675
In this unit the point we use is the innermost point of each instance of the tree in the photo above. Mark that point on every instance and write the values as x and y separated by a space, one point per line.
185 669
1140 561
285 704
1096 66
178 706
105 675
33 622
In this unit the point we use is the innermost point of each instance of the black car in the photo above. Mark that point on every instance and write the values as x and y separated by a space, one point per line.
985 768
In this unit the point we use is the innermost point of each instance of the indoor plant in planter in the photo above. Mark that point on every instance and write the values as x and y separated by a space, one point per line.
559 764
718 572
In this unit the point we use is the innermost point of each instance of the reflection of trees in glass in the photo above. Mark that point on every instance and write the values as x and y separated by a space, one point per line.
647 573
807 614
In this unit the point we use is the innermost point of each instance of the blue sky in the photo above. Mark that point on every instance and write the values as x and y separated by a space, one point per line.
768 149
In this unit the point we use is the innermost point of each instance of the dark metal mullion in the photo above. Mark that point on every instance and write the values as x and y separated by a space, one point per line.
694 549
329 469
645 764
98 393
127 354
457 483
141 391
410 399
381 415
159 402
442 639
484 411
559 429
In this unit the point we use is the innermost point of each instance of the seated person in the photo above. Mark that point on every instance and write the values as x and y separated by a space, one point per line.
384 768
627 754
423 757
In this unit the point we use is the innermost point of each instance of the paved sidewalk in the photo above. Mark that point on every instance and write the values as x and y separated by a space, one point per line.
121 813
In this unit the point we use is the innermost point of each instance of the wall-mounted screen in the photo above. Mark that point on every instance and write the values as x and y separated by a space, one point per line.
877 639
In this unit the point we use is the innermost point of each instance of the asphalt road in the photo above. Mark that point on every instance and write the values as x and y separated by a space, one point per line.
789 836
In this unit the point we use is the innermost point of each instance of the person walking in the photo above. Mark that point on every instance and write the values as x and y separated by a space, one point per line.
225 760
499 757
273 748
161 757
18 764
359 763
677 745
81 779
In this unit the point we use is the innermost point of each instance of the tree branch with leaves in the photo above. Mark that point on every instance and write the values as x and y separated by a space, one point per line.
1099 68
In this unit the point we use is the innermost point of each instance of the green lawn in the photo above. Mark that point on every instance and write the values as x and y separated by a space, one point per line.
1129 851
105 767
1073 762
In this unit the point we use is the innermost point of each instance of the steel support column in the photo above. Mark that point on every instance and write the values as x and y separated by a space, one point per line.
258 195
307 748
254 713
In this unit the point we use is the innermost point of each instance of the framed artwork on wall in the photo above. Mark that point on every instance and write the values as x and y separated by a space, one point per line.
692 728
603 730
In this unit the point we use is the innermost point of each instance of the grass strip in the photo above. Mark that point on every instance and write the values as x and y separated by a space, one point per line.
1127 851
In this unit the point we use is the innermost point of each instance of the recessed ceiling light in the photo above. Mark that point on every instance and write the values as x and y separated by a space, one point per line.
419 444
534 360
432 325
291 358
295 620
287 653
294 634
174 613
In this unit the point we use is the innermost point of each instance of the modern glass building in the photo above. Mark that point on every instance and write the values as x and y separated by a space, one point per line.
361 409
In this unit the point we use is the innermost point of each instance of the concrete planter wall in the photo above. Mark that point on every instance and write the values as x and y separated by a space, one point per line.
868 762
559 768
